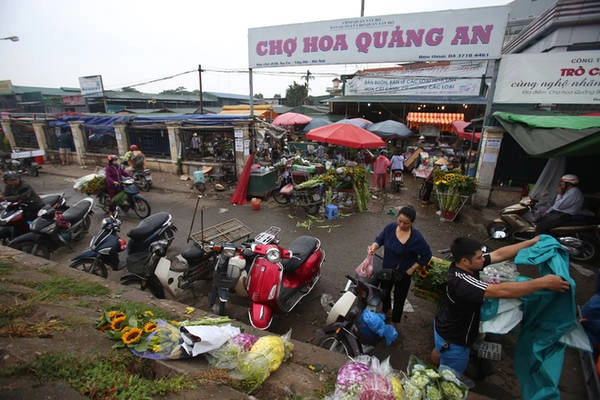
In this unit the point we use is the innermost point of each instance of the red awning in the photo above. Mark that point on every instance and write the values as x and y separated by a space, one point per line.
458 128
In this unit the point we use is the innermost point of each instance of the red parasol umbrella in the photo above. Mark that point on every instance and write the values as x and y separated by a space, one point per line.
458 127
290 119
347 135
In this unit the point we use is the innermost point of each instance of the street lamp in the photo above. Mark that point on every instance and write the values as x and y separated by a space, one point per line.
11 38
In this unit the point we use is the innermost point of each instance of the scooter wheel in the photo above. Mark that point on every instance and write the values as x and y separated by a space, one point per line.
141 208
337 344
91 266
30 247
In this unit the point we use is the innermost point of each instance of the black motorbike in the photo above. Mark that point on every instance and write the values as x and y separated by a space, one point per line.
577 236
135 200
147 243
53 229
105 247
12 219
142 179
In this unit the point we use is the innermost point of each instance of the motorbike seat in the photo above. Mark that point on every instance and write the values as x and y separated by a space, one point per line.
76 212
50 199
301 248
148 225
193 254
578 223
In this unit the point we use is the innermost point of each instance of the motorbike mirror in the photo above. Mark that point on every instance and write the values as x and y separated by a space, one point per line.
499 235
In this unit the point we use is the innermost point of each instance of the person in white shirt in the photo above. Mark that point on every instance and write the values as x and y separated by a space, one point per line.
568 202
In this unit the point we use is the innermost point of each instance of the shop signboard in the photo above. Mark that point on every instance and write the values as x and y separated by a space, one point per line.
465 34
91 86
549 78
6 87
455 78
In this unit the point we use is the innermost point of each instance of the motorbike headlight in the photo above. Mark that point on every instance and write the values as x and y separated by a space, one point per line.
273 255
228 251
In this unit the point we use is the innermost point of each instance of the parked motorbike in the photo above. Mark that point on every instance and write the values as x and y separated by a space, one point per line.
343 332
53 229
24 166
232 266
148 242
577 237
279 278
135 200
310 199
397 179
142 179
12 221
104 249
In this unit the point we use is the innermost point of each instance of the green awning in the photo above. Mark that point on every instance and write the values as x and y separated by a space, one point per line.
553 136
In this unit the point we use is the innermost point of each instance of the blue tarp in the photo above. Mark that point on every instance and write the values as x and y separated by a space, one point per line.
190 119
97 124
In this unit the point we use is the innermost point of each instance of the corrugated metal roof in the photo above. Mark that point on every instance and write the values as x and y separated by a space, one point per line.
63 91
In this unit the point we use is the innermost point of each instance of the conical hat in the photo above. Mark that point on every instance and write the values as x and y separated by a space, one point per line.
442 161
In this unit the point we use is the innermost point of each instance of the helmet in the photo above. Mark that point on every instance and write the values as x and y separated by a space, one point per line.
570 178
133 147
11 175
111 158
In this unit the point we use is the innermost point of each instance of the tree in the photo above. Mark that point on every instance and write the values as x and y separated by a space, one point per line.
296 94
129 89
307 77
259 96
179 90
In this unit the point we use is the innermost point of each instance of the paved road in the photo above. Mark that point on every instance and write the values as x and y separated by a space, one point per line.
345 241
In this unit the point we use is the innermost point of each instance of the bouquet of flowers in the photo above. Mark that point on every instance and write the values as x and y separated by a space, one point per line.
91 184
453 189
430 280
426 382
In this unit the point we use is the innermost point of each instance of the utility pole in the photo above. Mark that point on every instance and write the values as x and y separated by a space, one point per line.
200 80
362 8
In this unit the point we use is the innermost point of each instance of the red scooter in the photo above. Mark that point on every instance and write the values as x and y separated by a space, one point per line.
279 278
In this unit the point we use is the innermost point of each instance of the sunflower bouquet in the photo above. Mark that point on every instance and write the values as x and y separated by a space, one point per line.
453 189
430 280
142 333
91 184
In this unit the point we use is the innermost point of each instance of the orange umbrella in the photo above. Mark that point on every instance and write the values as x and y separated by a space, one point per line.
347 135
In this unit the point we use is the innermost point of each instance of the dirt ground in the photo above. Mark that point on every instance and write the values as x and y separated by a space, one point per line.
344 243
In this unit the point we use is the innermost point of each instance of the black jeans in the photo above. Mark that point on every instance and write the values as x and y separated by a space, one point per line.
401 285
551 220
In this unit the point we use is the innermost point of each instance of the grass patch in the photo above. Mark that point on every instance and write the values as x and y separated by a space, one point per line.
115 376
61 288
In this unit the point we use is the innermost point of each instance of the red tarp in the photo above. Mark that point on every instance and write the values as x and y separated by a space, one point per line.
346 135
241 190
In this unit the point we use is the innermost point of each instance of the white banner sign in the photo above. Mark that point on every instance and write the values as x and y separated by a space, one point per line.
549 78
468 34
440 79
91 86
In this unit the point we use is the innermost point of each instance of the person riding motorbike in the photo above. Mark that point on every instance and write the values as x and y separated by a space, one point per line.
114 173
17 190
135 159
568 202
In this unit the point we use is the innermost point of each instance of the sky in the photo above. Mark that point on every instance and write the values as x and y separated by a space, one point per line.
130 42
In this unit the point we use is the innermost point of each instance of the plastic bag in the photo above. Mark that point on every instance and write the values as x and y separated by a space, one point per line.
365 269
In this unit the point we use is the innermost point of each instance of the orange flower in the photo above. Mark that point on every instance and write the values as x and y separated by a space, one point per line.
150 327
117 322
132 336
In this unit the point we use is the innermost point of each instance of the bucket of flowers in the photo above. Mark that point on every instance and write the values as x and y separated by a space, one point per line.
430 280
452 190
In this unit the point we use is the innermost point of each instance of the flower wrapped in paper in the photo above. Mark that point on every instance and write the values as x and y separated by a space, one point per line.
430 280
90 184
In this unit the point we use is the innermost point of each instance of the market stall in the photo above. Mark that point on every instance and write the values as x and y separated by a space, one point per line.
417 120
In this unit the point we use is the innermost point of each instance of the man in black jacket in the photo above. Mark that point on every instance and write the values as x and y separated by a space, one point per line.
17 190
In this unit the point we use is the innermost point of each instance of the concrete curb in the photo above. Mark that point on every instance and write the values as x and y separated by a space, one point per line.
293 376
